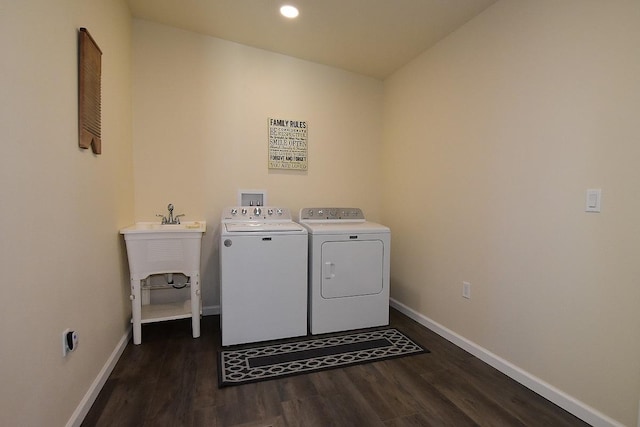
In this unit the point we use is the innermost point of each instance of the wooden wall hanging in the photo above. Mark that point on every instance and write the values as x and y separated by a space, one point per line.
89 103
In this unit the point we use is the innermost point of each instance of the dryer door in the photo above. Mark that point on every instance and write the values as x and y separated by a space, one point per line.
352 268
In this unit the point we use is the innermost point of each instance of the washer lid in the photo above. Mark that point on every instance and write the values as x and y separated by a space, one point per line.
263 226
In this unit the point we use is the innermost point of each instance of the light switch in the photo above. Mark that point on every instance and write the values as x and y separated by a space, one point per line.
593 200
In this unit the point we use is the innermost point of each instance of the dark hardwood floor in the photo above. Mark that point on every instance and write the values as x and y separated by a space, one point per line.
171 380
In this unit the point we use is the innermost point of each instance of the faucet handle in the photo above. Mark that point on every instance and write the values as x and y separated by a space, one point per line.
164 218
177 217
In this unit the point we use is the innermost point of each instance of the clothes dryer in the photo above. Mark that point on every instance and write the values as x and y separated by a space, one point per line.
263 275
348 270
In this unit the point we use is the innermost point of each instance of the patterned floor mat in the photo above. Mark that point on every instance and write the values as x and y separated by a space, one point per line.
292 357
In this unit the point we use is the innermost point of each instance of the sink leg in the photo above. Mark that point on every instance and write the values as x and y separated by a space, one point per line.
136 311
195 305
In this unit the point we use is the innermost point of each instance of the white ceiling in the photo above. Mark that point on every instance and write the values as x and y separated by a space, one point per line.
371 37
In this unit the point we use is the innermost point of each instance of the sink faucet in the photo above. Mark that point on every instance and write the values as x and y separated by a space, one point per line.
170 219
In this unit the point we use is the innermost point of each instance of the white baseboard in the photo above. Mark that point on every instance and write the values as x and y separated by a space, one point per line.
549 392
546 390
83 408
211 310
90 396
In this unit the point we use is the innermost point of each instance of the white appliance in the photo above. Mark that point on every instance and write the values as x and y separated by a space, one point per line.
348 270
263 275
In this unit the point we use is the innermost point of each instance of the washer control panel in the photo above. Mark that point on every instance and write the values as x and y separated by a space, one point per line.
256 213
338 214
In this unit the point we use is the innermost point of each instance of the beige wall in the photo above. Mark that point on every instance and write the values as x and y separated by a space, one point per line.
61 258
200 131
493 136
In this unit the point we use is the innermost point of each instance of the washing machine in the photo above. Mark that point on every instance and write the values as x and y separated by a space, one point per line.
348 270
263 275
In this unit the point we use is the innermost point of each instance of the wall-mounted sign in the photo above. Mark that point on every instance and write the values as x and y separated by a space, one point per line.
288 144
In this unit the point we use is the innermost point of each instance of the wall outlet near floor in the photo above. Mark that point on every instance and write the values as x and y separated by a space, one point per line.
466 290
69 341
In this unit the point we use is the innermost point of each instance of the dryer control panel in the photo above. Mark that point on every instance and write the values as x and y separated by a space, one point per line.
338 214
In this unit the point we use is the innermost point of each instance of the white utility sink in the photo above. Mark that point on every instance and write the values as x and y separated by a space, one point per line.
156 248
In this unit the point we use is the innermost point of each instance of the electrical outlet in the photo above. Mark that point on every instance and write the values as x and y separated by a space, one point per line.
69 341
466 290
594 197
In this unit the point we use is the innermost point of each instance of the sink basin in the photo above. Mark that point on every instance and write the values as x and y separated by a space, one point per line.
156 227
154 248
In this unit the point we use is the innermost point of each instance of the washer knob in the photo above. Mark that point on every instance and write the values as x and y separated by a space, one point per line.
244 211
234 211
279 211
257 211
270 211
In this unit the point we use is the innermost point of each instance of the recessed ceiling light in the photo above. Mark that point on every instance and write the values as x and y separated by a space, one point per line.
289 11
